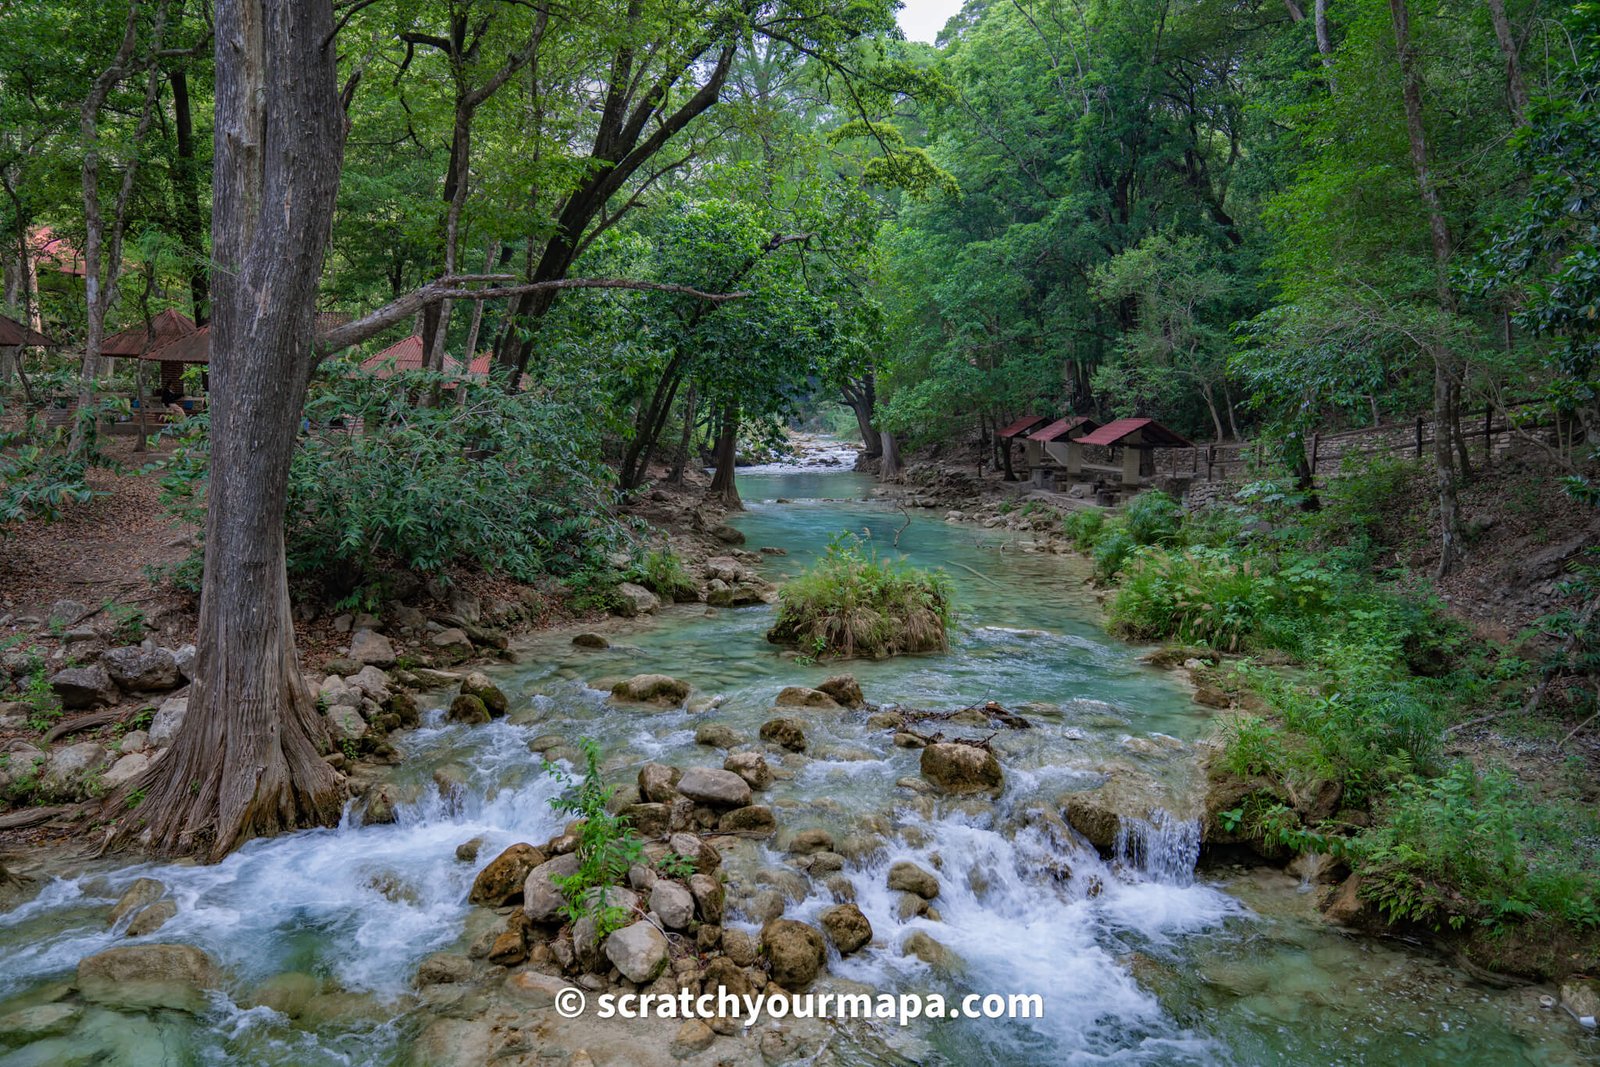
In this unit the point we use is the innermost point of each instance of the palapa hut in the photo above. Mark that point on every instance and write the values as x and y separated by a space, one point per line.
1011 433
1057 444
138 342
14 334
1138 439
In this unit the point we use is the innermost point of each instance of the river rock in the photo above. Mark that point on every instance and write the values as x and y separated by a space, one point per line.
638 951
926 949
910 878
659 689
715 735
138 669
1581 997
815 839
1345 906
798 696
345 723
959 769
148 976
718 788
371 647
694 1036
702 853
466 708
84 687
650 820
710 897
541 900
728 535
443 968
845 690
590 640
1127 795
152 918
372 681
755 820
143 891
134 741
502 881
785 733
846 927
69 768
452 643
795 951
477 684
634 600
658 783
751 766
536 990
673 903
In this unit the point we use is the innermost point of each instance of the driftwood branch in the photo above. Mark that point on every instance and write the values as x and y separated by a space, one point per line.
453 287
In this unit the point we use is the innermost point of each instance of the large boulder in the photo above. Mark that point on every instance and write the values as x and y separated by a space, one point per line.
28 1025
845 690
716 788
639 951
143 891
795 951
477 684
372 681
728 535
346 724
634 600
541 900
798 696
371 647
658 783
451 644
84 687
673 903
846 927
466 708
716 735
502 881
955 768
756 820
141 977
125 770
1126 796
659 689
139 669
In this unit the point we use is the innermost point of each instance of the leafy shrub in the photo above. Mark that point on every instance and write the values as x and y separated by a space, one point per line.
40 473
1197 595
662 572
853 604
607 845
1083 528
1154 518
1111 552
507 482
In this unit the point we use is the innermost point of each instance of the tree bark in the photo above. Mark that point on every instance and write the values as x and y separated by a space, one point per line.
725 482
1324 41
889 470
1516 88
248 758
1439 233
686 441
861 396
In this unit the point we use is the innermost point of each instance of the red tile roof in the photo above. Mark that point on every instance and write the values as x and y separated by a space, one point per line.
49 250
1153 432
1021 426
13 333
190 348
1064 428
403 355
166 327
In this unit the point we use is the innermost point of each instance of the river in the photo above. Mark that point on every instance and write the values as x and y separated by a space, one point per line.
1138 959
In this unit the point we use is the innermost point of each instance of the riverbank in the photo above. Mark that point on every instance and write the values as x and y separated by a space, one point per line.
1275 784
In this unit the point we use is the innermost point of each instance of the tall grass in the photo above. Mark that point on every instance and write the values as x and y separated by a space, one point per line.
853 604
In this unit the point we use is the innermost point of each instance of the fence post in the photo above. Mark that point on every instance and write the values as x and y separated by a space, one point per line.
1316 441
1211 459
1419 436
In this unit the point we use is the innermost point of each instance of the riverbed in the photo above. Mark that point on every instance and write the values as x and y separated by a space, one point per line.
1139 958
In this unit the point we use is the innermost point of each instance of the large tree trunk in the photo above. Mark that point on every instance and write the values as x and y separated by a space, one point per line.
725 482
862 398
889 470
1439 232
1324 41
686 440
248 759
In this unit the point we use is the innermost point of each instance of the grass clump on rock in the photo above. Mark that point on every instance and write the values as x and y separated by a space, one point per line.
853 604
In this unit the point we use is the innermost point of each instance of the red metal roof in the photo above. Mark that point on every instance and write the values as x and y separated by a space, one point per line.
14 333
1064 428
48 250
406 354
190 348
1021 426
1153 432
165 328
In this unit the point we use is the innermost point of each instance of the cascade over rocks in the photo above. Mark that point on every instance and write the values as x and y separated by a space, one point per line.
960 769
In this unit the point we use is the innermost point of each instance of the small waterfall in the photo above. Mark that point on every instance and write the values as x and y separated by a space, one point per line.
1163 848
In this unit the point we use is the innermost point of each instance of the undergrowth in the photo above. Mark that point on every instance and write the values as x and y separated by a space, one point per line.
851 603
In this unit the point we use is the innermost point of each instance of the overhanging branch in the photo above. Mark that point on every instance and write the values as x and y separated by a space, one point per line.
454 287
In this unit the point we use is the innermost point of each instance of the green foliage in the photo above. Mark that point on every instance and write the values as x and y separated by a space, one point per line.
1083 528
1153 518
607 846
851 603
40 473
1112 550
662 572
128 623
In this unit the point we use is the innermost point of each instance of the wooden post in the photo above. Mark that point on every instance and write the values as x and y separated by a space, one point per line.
1419 436
1211 459
1194 461
1316 442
